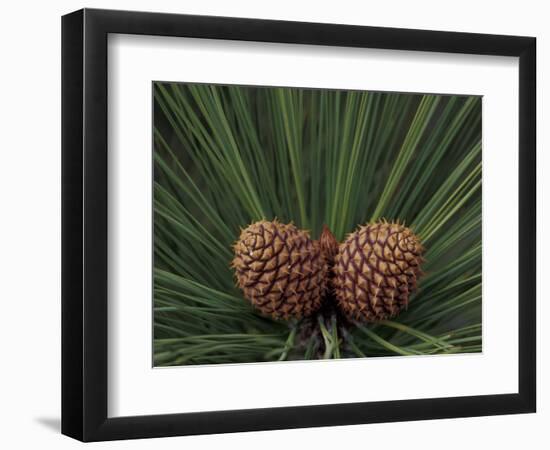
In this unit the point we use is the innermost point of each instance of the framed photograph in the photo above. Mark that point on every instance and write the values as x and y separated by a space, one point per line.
273 224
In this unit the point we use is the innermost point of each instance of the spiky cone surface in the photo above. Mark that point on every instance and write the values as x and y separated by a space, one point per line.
280 270
376 271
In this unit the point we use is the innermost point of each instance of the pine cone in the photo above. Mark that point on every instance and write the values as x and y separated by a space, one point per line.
376 271
280 270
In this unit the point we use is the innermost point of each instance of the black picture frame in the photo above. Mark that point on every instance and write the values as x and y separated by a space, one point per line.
84 224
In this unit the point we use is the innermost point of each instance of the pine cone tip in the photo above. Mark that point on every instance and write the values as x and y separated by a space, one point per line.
329 244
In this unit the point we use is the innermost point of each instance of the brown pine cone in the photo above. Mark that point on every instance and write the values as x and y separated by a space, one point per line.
280 270
376 271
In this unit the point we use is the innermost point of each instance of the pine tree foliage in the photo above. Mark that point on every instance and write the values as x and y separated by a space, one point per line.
228 156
